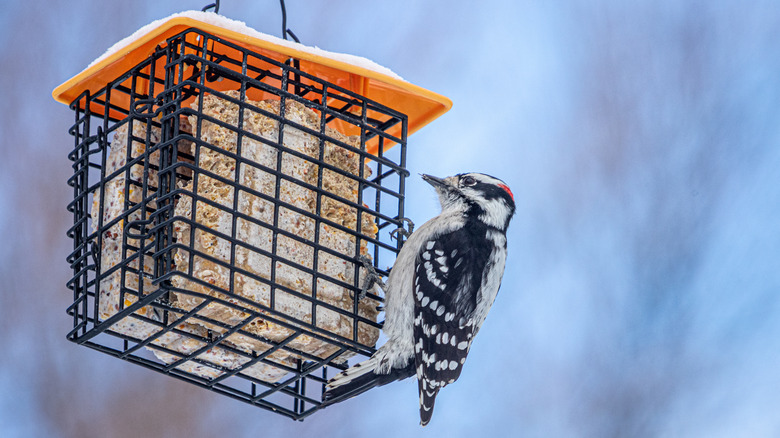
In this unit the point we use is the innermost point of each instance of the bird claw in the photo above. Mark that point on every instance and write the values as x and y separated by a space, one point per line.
372 277
158 314
403 231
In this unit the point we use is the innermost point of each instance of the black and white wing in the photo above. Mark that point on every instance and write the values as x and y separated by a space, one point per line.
447 278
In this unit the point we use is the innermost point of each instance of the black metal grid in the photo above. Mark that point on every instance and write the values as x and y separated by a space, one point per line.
157 165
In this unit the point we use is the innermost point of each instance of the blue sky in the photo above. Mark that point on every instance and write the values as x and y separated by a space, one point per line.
641 141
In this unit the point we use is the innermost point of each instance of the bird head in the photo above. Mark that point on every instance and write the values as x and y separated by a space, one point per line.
484 196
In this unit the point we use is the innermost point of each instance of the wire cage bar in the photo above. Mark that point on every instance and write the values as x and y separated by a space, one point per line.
223 205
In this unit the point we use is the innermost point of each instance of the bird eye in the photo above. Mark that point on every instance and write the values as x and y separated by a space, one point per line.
468 181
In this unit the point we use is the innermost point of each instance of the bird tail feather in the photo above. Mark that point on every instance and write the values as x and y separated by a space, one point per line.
427 399
360 378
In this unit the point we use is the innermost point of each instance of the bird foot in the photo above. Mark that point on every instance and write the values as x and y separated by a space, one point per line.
372 277
401 231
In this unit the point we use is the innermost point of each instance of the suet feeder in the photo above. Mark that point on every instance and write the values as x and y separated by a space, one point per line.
226 185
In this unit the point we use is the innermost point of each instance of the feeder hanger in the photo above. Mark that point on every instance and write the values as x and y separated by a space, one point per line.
285 30
212 5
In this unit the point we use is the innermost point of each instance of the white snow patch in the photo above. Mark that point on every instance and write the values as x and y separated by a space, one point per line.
241 27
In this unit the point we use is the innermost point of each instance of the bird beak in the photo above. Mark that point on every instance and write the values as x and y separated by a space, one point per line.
434 181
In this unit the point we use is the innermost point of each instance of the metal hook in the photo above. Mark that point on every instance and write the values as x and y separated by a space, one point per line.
144 108
212 5
141 225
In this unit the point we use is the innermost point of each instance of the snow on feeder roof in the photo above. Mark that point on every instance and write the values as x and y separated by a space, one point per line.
353 73
228 187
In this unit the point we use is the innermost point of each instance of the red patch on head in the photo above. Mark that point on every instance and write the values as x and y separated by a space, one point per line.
508 191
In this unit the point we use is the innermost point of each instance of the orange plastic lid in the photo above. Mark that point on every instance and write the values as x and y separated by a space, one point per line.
355 74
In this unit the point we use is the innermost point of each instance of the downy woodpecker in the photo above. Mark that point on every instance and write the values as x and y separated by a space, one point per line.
439 291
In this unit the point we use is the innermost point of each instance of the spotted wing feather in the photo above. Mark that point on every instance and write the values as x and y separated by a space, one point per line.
445 300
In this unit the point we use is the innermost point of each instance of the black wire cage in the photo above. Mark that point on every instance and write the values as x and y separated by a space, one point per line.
225 202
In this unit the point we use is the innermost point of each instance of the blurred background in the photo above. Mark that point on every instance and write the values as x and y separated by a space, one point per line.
641 140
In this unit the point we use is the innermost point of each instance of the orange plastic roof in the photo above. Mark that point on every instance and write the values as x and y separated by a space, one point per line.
420 105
